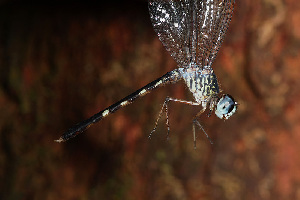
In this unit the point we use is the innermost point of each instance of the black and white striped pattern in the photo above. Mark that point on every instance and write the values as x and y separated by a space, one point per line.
170 77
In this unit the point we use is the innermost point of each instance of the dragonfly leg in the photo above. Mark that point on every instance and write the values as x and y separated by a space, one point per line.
165 105
196 122
164 108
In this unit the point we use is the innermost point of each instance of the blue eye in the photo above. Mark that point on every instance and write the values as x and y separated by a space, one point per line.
226 107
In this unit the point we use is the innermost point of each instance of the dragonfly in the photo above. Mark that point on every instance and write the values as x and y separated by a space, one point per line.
192 31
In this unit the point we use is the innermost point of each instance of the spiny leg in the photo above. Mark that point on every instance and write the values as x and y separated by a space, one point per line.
165 105
167 118
159 116
195 121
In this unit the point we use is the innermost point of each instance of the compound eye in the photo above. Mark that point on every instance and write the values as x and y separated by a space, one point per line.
226 107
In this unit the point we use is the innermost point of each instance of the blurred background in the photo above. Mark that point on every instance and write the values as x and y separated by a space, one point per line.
63 61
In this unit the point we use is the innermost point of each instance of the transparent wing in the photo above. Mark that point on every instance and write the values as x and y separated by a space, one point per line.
191 30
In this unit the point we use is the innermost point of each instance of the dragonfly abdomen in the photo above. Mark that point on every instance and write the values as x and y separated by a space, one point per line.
170 77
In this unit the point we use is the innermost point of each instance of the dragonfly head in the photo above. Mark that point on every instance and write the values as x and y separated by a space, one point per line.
226 106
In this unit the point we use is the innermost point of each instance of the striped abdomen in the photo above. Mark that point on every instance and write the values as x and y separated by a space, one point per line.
170 77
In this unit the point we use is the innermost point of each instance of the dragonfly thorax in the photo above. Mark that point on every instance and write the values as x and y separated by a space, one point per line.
202 82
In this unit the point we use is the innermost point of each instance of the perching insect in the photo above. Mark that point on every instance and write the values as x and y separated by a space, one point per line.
192 32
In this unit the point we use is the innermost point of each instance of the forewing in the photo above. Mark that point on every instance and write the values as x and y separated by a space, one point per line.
191 30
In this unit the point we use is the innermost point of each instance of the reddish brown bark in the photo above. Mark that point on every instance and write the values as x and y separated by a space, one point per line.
62 63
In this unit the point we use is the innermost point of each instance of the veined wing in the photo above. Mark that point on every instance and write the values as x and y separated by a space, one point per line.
191 30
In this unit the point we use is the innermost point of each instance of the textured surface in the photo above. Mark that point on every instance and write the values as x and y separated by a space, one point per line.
187 41
61 64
